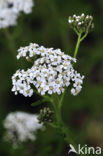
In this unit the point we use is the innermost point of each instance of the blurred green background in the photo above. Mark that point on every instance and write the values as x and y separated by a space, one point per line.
48 25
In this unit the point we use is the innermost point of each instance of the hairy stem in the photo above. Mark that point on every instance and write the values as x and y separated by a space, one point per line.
64 129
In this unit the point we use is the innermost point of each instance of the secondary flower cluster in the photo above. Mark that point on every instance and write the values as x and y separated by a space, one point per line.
46 115
81 24
20 127
10 10
51 72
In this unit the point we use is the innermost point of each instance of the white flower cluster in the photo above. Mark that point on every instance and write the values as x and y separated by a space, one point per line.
82 23
10 10
20 127
51 72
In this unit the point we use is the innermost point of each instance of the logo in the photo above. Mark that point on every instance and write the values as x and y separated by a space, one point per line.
85 150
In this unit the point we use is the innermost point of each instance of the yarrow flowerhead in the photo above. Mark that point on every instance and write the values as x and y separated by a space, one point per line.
21 127
81 24
51 72
10 10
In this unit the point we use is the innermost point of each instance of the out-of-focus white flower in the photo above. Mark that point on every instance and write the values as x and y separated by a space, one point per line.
51 72
19 5
21 126
10 10
5 18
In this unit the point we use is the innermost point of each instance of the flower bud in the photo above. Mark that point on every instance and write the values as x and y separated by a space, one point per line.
46 115
81 24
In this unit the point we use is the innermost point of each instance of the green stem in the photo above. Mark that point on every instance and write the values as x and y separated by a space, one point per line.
77 45
83 37
80 39
61 99
56 103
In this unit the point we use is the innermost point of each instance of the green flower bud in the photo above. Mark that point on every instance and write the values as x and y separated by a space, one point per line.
46 115
81 24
